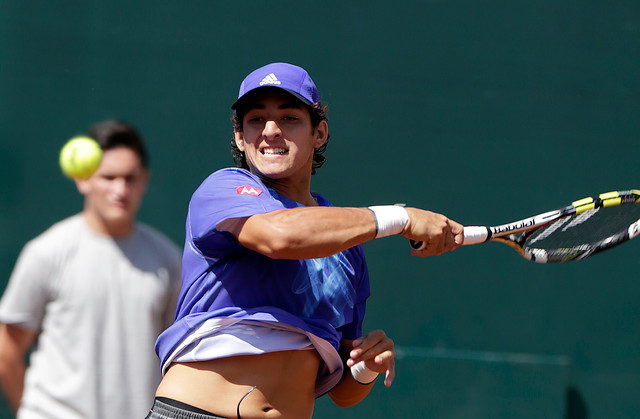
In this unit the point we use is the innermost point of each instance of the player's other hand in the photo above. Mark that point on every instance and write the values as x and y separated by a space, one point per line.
437 233
377 350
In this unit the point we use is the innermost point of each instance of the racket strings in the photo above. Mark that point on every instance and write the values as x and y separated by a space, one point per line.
579 219
547 231
590 227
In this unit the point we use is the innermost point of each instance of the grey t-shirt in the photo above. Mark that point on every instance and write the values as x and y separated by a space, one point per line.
98 304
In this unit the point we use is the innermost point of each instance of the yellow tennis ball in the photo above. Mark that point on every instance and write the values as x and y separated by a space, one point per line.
80 157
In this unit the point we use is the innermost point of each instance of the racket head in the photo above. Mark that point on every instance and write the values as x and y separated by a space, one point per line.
598 224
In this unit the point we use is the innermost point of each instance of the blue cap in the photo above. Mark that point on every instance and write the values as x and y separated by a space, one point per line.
289 77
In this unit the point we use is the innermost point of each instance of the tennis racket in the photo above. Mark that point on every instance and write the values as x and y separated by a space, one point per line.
582 229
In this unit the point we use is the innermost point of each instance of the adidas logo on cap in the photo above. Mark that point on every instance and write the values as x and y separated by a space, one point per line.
290 77
270 79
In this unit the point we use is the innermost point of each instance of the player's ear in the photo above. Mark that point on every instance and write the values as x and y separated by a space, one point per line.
146 177
321 134
237 135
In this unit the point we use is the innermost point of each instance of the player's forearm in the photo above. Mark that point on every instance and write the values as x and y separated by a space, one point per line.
349 392
12 382
309 232
14 343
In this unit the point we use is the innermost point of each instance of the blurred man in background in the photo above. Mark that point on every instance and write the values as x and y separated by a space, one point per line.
89 296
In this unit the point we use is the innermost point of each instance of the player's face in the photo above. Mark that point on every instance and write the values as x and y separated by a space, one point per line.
278 138
113 194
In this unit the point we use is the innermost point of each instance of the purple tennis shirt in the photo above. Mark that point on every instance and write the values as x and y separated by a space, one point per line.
222 279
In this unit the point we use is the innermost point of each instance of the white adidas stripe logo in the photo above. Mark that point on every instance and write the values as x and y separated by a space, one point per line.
270 79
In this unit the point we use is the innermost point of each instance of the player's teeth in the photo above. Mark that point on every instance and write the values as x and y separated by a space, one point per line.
274 151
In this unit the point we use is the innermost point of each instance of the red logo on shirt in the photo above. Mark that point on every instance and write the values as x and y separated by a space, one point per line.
248 190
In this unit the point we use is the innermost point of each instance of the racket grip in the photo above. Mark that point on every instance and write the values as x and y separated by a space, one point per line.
472 235
475 235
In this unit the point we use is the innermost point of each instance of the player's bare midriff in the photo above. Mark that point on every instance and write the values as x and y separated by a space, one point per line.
284 384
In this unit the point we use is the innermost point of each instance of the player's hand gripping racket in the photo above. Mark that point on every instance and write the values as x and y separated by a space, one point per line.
584 228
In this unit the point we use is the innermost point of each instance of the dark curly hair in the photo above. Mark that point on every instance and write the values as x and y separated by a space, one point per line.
318 113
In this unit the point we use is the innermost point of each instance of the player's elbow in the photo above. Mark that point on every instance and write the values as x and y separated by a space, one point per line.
278 244
271 235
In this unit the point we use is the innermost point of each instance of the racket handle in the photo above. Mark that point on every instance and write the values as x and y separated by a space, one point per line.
472 235
475 235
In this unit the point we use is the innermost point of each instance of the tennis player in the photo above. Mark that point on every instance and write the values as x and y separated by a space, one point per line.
274 281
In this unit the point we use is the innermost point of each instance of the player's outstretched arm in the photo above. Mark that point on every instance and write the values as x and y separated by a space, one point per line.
313 232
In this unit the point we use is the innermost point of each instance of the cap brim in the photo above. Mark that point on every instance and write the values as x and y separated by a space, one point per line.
291 92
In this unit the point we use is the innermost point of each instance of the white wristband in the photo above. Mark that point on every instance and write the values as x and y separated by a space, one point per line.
390 219
362 374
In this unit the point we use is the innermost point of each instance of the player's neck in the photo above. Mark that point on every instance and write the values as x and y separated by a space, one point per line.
99 225
298 191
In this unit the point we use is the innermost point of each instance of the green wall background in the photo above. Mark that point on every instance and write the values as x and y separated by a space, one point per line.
484 111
